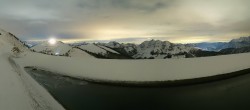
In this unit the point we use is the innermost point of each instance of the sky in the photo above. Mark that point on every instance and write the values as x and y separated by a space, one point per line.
179 21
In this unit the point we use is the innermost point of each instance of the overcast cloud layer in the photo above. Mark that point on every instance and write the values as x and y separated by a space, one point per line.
126 20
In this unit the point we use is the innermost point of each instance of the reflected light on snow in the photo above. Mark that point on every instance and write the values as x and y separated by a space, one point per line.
52 41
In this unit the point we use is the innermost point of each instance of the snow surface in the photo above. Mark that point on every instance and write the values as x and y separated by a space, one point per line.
13 95
138 70
18 90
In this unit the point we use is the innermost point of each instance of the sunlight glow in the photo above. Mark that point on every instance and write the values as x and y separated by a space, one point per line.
52 41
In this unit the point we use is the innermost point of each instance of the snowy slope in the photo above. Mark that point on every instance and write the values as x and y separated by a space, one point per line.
127 49
93 49
75 52
32 43
98 49
17 90
59 48
108 49
101 51
12 40
13 95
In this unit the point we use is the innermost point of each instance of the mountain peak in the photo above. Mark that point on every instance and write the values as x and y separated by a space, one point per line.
113 44
59 48
241 39
154 43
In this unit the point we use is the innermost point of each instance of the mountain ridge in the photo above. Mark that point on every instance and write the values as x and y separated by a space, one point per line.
157 49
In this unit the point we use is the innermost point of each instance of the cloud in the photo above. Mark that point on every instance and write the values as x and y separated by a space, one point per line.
126 20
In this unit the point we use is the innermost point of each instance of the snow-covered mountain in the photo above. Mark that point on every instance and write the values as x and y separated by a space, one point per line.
239 43
85 50
128 49
210 46
96 49
75 44
59 48
217 46
12 40
162 49
235 50
32 43
153 49
101 51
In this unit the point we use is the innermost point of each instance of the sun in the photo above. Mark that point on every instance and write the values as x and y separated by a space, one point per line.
52 41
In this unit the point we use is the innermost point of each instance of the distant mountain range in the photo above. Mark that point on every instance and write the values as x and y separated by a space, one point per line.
217 46
214 46
153 49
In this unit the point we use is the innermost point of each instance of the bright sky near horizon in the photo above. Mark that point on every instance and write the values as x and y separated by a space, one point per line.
180 21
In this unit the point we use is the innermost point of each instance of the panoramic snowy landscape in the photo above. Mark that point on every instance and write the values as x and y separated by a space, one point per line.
60 58
124 54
